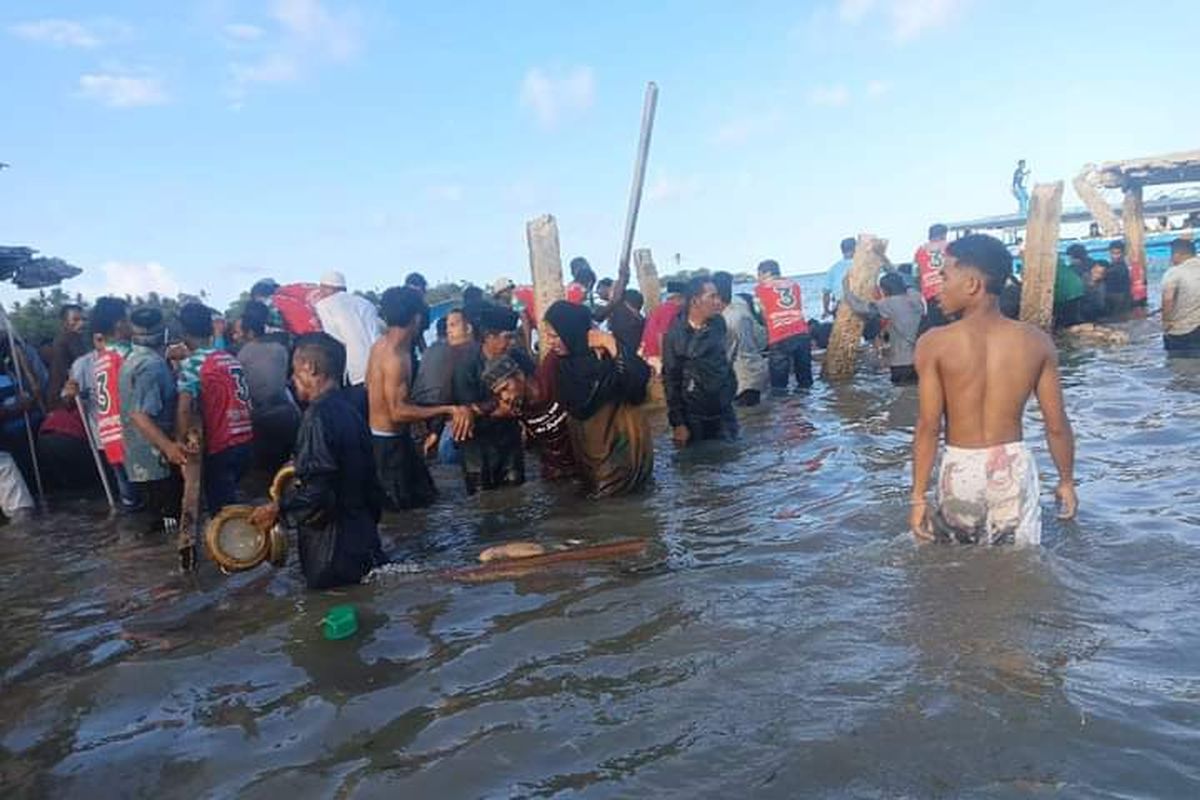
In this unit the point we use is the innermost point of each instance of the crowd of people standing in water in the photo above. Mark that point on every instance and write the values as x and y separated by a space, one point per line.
352 396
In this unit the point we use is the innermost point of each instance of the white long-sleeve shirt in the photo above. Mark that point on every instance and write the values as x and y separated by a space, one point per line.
354 322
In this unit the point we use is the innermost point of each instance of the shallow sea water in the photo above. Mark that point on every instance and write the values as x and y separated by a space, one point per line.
784 637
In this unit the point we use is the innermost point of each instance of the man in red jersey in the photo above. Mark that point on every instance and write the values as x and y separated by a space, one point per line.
788 344
213 379
929 259
110 336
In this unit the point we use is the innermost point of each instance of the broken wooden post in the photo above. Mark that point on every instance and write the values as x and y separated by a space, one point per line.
647 275
869 257
1101 211
1134 217
1041 255
545 262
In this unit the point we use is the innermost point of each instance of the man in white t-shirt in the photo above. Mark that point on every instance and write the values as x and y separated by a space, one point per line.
1181 300
353 321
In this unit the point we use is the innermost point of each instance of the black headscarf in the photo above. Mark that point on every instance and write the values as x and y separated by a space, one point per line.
581 373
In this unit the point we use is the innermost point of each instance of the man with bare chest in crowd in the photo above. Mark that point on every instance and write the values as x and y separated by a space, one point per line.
399 464
978 373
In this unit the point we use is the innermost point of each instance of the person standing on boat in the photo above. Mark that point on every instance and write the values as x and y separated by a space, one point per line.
929 258
977 374
1181 300
1020 176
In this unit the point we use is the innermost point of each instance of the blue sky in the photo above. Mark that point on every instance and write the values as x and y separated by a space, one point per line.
207 143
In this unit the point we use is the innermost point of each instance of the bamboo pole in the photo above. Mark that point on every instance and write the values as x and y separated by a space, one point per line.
545 262
1134 217
869 257
1041 255
639 173
647 275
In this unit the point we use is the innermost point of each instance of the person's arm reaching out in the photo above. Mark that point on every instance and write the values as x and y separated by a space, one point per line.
1059 436
402 412
926 433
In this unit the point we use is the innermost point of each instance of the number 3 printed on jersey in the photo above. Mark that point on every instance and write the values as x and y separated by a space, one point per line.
787 297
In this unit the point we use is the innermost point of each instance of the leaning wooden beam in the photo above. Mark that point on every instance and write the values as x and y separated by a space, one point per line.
1041 255
1135 242
647 275
869 257
1101 211
545 262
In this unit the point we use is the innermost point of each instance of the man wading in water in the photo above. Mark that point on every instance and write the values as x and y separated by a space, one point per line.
979 372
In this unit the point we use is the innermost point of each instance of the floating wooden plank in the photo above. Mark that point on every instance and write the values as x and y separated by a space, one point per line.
1041 255
545 262
869 257
506 568
647 275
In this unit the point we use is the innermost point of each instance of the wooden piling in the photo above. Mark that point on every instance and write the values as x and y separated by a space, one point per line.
647 275
1101 211
1134 219
869 257
545 262
1041 255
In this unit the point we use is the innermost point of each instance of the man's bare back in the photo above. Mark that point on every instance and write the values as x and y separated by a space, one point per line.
985 370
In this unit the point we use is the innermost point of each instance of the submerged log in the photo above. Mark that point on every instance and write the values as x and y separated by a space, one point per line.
1135 242
545 262
869 257
647 275
1041 255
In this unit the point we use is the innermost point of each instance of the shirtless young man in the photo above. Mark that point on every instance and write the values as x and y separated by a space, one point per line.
398 463
978 373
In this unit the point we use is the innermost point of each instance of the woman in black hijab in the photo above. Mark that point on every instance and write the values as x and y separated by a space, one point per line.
601 384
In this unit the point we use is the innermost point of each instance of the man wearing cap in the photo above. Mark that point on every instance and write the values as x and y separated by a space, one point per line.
147 391
494 457
353 321
534 402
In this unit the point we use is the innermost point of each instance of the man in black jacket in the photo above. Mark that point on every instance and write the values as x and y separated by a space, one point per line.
698 380
336 502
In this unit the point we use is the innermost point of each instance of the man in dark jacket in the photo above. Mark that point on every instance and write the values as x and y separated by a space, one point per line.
336 502
697 378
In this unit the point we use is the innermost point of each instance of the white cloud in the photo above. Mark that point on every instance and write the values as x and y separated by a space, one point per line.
742 129
138 278
878 88
551 98
244 32
335 35
123 91
304 34
832 96
853 11
61 32
911 18
664 189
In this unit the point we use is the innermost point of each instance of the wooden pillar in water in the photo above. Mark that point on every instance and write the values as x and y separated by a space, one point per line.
647 276
545 262
1041 255
1095 202
1134 219
869 257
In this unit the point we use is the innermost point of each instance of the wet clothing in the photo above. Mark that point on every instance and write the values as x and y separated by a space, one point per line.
66 348
146 385
657 324
274 416
627 325
14 492
1069 292
903 314
609 432
495 455
353 321
216 381
782 305
1183 281
698 381
546 425
929 259
745 341
336 502
792 355
989 495
108 399
223 472
401 470
1118 285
